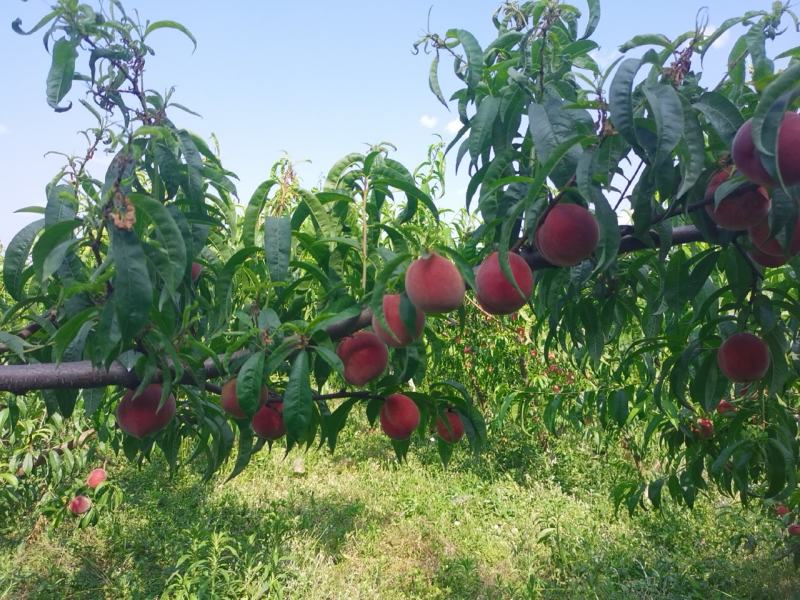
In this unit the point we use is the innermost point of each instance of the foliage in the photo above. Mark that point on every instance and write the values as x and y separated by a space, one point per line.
106 273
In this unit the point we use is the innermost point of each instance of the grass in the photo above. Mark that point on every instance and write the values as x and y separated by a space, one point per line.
523 522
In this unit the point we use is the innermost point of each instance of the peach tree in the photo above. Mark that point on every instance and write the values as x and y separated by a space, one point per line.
643 219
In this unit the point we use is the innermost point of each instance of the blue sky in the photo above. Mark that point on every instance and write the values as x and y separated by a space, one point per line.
315 79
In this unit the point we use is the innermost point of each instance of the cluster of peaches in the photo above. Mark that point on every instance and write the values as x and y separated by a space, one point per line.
744 357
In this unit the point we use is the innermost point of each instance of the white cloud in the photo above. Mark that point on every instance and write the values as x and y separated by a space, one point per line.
3 129
453 126
428 121
722 40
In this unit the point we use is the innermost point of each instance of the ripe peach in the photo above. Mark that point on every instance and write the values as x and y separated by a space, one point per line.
760 236
725 408
364 356
745 207
434 284
452 430
391 309
705 429
230 401
766 260
496 294
746 158
793 529
96 477
568 235
197 268
743 357
782 510
268 421
399 416
79 505
141 416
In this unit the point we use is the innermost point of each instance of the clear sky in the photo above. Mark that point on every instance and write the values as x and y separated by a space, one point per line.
315 79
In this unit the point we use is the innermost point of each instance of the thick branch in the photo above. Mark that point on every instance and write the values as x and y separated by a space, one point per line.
81 374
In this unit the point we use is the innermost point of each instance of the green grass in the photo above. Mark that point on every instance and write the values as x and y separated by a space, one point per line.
524 522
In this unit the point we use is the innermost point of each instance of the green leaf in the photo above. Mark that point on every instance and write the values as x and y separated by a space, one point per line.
621 99
721 114
49 251
330 357
14 343
594 18
62 69
278 246
16 256
253 211
249 381
608 246
335 423
133 290
340 166
245 450
69 330
474 55
692 167
769 113
649 39
170 25
322 218
481 126
668 115
298 405
433 81
170 240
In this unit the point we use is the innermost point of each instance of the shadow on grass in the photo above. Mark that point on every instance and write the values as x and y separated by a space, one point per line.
136 549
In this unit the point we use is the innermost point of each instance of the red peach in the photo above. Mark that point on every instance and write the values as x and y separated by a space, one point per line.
399 416
140 416
743 208
268 421
434 285
496 294
568 235
391 310
743 357
364 356
452 430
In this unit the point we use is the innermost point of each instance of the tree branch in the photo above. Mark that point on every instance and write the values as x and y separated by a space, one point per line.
82 374
70 445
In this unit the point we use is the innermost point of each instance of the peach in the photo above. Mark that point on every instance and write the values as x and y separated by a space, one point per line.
762 240
364 356
452 430
79 505
744 207
782 510
743 357
766 260
434 285
568 234
793 529
197 268
96 477
705 429
496 294
725 407
399 416
268 421
746 158
391 309
141 416
230 401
